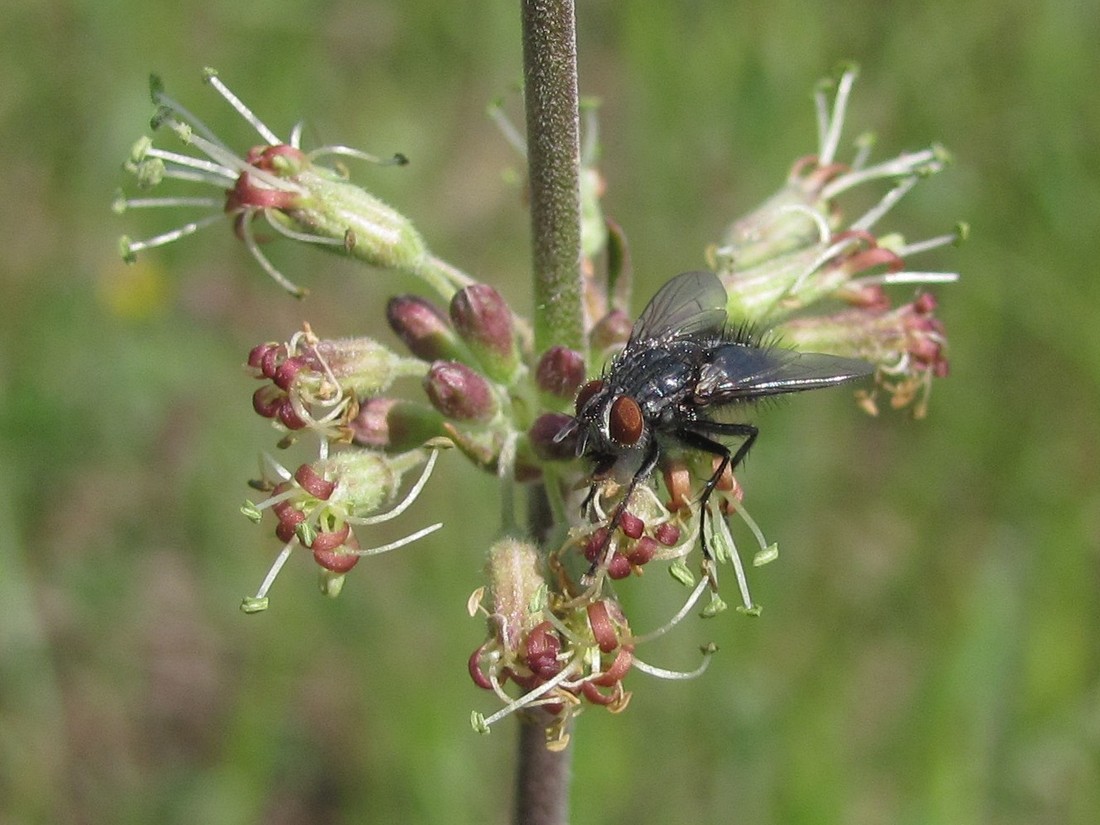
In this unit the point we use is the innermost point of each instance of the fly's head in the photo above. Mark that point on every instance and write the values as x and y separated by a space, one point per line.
612 429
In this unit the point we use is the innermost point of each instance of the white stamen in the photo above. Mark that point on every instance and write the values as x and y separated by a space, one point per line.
864 144
234 101
663 673
350 152
175 234
294 235
529 697
494 680
277 468
680 614
413 493
926 161
190 162
176 173
929 244
163 100
268 267
889 278
153 203
296 135
831 138
393 545
280 560
872 215
752 525
735 559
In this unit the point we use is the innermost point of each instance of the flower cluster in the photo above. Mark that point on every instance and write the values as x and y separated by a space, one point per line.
561 652
297 196
476 379
317 506
316 384
796 251
778 265
556 629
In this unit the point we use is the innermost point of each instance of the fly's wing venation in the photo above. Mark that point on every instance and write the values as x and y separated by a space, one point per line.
689 304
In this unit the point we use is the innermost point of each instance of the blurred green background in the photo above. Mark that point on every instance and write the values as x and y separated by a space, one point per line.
929 647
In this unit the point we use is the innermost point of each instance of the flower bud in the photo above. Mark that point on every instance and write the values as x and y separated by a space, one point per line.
394 425
484 321
610 333
367 228
543 436
299 197
560 372
361 365
515 577
424 329
460 392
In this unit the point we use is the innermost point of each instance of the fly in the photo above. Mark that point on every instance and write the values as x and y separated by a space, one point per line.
682 365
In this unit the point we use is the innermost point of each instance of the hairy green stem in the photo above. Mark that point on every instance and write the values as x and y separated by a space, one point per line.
553 159
444 277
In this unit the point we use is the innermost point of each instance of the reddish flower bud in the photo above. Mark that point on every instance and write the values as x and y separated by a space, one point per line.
610 332
560 372
460 392
423 328
667 534
543 646
631 525
393 424
261 354
544 438
619 668
643 551
286 371
329 540
334 561
484 321
596 697
476 673
925 303
619 566
288 524
288 417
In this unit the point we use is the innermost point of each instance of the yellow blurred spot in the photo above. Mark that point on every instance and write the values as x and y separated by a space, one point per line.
134 292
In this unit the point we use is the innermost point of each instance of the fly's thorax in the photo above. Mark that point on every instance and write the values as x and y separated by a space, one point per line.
659 375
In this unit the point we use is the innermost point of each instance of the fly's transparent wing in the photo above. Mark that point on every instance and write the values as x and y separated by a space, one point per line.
691 303
738 372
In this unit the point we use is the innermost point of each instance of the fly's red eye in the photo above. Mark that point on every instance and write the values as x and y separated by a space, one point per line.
585 393
625 425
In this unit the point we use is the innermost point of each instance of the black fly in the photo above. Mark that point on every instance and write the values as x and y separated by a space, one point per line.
679 367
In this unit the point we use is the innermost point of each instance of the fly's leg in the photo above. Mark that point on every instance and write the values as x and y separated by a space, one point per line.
603 466
698 438
649 462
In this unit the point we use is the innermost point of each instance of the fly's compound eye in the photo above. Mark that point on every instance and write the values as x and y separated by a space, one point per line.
625 423
585 393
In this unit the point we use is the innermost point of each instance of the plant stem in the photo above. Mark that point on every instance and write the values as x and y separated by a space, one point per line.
553 159
542 780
